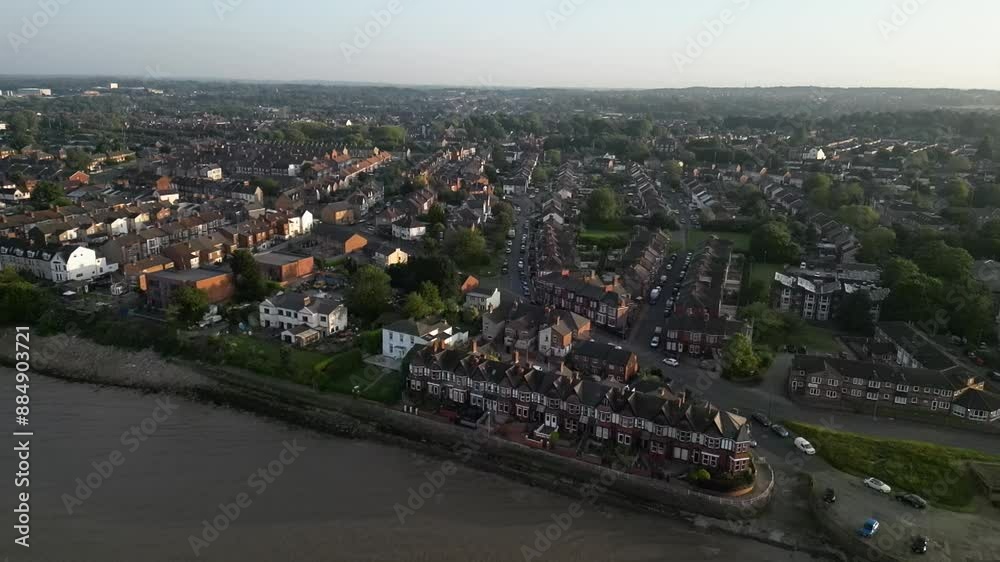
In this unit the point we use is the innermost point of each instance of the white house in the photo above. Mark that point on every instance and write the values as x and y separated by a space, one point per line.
385 254
58 264
400 337
483 299
211 172
13 195
303 318
409 229
814 154
300 225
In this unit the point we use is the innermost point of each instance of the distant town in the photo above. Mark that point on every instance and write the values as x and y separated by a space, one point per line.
705 291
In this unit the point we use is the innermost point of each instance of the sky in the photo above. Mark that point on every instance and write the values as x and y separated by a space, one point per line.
507 43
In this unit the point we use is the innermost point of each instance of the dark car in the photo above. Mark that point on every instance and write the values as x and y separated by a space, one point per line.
762 419
780 430
912 500
919 545
830 496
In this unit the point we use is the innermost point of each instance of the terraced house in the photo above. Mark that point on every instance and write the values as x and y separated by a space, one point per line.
860 385
659 423
606 304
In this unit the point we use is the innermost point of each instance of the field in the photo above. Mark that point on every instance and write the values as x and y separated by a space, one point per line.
938 474
765 272
339 373
815 339
695 238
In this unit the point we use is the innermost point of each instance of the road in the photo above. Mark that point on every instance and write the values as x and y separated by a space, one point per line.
513 278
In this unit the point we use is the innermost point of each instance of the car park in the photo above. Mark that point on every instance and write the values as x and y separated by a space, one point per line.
878 485
912 500
780 430
869 528
805 446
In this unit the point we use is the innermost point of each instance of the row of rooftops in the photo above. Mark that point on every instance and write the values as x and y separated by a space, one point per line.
968 389
654 402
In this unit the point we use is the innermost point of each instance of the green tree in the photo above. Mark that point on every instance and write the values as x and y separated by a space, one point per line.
21 302
437 215
187 306
755 292
772 242
854 313
467 247
603 207
847 194
958 192
662 220
940 260
77 159
251 286
877 245
912 299
553 156
389 137
416 307
48 194
818 187
859 217
739 360
897 270
370 292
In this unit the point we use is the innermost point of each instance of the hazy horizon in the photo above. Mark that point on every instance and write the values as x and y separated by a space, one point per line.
571 44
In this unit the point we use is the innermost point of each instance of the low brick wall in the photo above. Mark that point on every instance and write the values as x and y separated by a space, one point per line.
83 361
479 449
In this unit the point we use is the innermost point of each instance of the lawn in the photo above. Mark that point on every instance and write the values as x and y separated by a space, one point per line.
606 237
815 339
765 272
264 356
938 474
695 238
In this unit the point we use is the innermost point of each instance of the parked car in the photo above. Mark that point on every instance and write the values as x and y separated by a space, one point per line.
671 362
919 545
780 430
655 342
869 528
876 484
805 446
912 500
762 419
830 496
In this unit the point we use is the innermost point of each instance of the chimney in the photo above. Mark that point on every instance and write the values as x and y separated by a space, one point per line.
475 347
517 357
